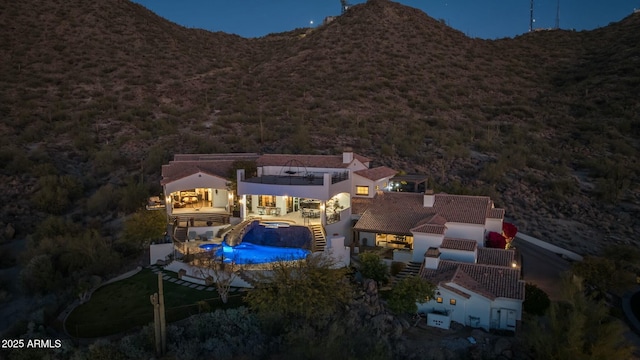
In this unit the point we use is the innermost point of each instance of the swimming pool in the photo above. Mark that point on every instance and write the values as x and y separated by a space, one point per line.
264 242
278 234
248 253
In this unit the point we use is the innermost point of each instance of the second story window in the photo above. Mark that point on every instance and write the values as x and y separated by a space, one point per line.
362 190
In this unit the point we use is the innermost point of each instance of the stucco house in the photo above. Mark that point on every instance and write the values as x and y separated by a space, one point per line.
342 195
444 234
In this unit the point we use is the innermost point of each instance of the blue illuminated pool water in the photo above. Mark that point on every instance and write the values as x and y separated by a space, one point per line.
248 253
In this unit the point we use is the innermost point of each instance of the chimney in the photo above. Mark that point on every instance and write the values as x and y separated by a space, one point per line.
432 258
429 198
347 156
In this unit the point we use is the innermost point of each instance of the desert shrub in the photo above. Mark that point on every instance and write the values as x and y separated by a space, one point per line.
39 275
103 200
104 350
132 196
55 194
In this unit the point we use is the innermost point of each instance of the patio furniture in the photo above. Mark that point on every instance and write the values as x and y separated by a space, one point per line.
192 235
209 235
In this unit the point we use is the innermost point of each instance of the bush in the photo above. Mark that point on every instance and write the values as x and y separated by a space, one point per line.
536 301
397 267
407 292
56 193
39 275
372 267
103 200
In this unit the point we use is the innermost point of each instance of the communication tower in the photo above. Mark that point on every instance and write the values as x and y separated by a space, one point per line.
344 5
558 16
531 17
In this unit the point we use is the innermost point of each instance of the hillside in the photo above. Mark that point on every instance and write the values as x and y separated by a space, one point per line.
103 93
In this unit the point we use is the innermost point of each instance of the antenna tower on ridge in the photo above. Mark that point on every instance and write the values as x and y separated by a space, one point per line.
531 17
345 5
558 16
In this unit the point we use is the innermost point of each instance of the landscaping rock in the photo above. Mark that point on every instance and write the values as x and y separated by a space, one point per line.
502 347
9 232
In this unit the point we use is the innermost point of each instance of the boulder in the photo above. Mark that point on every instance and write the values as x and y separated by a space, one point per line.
502 346
9 232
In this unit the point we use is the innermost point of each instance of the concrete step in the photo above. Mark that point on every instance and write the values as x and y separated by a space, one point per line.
412 268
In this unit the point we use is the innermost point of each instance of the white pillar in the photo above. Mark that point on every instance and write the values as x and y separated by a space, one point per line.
323 216
243 207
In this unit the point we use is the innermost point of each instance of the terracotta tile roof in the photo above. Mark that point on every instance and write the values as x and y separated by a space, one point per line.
486 280
190 164
495 213
430 229
359 205
462 208
310 161
394 213
498 257
433 252
376 173
402 213
431 225
459 244
457 291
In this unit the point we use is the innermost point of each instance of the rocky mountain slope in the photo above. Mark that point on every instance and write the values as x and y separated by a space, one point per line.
546 123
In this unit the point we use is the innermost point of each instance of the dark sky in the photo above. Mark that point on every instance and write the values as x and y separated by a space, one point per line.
488 19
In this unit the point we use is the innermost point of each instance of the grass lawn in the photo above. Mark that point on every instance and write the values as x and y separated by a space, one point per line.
126 304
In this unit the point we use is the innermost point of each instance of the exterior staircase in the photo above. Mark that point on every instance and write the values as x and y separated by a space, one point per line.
412 268
319 238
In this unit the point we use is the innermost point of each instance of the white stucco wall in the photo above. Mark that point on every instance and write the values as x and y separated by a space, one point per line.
337 250
363 181
512 304
159 252
476 306
422 242
458 255
342 227
371 238
198 180
494 225
466 231
221 199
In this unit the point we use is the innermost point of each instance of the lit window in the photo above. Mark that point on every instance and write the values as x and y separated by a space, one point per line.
362 190
439 300
452 301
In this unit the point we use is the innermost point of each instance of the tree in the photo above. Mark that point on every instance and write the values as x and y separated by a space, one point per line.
218 271
293 292
579 328
409 291
372 267
536 301
143 227
602 275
